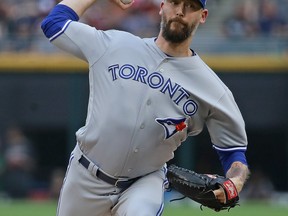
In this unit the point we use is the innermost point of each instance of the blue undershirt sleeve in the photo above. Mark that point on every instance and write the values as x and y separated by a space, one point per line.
58 20
228 157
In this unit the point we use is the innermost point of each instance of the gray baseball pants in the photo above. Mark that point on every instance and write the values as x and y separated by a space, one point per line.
83 194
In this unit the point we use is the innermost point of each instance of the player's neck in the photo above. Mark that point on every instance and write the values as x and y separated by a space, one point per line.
174 49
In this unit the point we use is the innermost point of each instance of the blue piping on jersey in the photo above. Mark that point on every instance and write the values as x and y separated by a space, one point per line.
160 211
60 32
230 149
164 185
230 155
58 20
64 181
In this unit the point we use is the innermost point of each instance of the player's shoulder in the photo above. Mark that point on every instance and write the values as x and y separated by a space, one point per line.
122 35
210 76
120 38
206 68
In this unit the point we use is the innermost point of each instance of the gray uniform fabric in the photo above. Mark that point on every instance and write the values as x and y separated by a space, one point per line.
143 104
98 198
138 95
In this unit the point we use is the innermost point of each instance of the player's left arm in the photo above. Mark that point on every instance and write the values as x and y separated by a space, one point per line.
227 131
235 165
238 174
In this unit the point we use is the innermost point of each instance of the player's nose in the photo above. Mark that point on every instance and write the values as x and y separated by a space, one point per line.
180 9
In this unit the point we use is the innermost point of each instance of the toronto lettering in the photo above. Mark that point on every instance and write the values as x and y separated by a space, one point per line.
156 81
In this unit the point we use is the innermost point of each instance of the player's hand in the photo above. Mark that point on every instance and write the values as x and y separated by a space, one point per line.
220 194
122 5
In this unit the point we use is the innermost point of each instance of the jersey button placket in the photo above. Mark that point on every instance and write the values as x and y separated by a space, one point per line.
161 70
148 103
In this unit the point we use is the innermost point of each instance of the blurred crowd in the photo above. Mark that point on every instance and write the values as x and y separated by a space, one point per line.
252 18
20 20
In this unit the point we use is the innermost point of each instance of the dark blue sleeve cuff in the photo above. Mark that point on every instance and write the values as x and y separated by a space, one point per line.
227 157
57 21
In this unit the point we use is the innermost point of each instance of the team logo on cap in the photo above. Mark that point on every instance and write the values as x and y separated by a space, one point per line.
171 125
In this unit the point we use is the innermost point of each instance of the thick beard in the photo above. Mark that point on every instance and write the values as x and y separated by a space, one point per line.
176 36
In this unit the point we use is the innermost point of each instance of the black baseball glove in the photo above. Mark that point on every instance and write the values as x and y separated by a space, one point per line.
199 187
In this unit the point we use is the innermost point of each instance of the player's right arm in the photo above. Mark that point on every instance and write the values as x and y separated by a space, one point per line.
80 6
62 28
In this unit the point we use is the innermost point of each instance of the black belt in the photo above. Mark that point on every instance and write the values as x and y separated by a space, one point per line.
120 183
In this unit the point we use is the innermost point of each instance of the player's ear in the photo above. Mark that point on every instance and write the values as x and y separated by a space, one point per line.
204 16
161 7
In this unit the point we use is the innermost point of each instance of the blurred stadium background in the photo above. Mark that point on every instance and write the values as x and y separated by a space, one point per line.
44 92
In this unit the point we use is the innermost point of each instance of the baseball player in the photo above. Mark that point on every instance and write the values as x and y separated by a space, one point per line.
146 96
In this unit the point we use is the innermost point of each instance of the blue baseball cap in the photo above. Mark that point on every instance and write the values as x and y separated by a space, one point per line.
203 3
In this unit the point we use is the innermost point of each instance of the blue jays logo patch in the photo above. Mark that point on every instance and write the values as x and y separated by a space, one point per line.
171 125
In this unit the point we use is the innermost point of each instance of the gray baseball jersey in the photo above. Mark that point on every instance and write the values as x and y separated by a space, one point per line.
144 103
